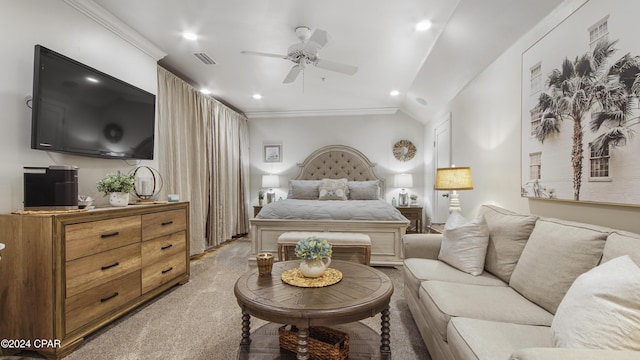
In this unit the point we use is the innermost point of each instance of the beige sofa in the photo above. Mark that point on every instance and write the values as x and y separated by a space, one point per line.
507 311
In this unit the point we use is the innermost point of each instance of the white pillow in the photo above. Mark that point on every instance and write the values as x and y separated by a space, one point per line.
464 244
601 310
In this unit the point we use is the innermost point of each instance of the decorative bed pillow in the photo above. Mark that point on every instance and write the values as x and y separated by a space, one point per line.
333 189
601 309
304 189
364 190
464 243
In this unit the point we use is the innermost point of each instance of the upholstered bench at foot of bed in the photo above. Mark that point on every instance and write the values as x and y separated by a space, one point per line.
354 247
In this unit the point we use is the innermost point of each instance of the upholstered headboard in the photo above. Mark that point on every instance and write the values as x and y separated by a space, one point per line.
336 162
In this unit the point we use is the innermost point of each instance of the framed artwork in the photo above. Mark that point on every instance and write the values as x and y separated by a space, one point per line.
272 153
580 108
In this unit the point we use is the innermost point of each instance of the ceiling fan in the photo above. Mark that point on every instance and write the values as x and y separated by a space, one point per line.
306 53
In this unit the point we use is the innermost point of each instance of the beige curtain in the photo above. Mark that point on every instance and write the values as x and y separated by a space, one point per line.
204 157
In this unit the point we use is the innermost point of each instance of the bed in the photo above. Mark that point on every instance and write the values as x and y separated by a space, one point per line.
382 222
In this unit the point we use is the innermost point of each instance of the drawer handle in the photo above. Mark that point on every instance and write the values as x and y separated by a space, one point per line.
115 233
109 297
167 270
167 222
110 266
166 247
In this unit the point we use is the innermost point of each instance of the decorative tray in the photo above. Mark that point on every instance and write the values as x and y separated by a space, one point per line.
295 278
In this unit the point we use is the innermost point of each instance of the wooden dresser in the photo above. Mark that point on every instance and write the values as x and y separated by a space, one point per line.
65 276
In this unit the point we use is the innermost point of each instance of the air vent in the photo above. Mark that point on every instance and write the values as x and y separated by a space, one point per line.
204 58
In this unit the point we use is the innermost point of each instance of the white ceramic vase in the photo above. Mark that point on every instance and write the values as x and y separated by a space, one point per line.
314 268
119 199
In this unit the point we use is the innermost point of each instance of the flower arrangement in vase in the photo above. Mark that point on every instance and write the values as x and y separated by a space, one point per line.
117 186
313 251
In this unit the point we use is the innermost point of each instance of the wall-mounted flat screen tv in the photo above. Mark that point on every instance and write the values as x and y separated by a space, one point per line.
80 110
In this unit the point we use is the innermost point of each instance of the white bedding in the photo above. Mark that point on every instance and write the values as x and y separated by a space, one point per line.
378 210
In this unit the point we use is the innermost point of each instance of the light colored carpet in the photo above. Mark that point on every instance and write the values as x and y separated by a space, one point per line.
202 320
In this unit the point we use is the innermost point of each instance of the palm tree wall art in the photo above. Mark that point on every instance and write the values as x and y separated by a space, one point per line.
580 125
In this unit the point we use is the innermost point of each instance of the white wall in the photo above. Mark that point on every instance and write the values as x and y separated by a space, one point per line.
373 135
486 135
58 26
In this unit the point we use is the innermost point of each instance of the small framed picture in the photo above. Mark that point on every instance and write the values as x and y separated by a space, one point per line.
272 153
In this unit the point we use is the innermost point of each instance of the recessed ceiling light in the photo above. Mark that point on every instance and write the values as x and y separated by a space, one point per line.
394 93
423 25
205 91
190 36
257 96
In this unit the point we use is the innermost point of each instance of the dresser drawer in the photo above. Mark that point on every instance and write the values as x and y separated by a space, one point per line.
163 259
91 271
163 223
93 303
94 237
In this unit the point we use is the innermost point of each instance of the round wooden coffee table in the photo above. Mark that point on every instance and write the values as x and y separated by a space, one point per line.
363 292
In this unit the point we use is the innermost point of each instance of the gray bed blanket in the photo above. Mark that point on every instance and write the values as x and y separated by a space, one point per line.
377 210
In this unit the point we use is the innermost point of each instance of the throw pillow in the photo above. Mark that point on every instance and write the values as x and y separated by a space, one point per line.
508 234
556 253
464 243
303 189
601 309
364 190
333 189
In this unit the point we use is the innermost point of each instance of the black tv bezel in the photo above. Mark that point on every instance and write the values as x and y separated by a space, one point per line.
39 50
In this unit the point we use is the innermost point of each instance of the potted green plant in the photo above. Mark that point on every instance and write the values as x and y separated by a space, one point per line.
117 186
312 251
414 198
260 196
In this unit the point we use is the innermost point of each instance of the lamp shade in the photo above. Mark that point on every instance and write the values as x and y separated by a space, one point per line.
454 178
403 181
270 181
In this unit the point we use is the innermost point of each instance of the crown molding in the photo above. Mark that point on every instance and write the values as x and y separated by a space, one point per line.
100 15
308 113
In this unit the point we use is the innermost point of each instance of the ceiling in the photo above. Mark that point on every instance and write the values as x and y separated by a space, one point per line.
376 36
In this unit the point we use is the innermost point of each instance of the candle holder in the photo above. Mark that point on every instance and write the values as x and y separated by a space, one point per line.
148 183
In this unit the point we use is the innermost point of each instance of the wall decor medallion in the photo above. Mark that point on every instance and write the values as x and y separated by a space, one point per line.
404 150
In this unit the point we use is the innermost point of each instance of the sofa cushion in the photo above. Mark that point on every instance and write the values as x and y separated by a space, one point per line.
601 309
556 254
621 243
508 234
464 243
445 300
418 270
474 339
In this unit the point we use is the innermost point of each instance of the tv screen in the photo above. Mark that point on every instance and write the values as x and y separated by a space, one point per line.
80 110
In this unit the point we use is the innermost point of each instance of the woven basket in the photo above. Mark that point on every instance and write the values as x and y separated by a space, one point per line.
324 343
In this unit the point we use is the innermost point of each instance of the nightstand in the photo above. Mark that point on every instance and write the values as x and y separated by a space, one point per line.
435 228
414 214
256 209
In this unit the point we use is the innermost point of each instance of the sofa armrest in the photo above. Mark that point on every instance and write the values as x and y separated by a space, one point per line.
426 246
572 354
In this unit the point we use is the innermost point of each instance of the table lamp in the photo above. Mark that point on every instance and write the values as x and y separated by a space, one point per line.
403 181
270 181
454 178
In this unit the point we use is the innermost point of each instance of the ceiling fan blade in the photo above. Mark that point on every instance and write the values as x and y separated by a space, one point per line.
263 54
293 74
319 37
317 41
337 67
